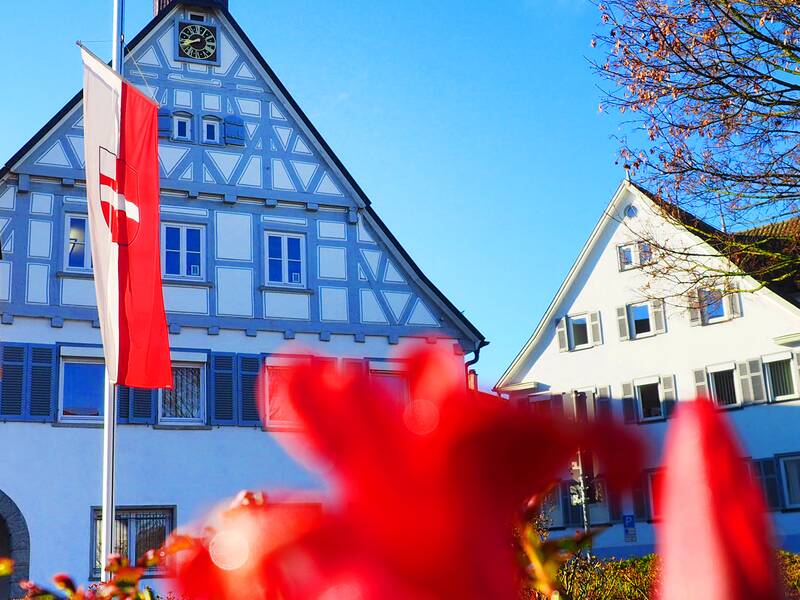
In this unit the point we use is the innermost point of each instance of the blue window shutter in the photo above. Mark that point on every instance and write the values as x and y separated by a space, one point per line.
164 122
355 367
641 499
42 382
142 405
123 404
222 392
249 396
234 131
766 472
12 382
614 505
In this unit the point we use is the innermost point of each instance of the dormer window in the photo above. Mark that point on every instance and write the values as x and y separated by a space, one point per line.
194 16
182 127
211 131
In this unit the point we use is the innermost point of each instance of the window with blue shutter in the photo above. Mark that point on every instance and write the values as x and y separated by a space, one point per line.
12 382
234 131
249 396
222 389
42 382
142 405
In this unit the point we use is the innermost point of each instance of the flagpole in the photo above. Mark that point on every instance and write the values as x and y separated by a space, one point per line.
110 393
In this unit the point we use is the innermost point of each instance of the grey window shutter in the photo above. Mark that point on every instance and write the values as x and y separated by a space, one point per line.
222 387
620 259
659 317
594 327
561 335
734 305
668 396
751 381
557 404
42 393
603 403
641 499
695 314
12 384
249 368
766 472
700 383
629 408
622 323
569 404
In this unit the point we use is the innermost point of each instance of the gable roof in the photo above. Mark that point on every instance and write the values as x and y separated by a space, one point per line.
361 197
697 226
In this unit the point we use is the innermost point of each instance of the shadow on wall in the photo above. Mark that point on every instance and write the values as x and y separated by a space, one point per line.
15 543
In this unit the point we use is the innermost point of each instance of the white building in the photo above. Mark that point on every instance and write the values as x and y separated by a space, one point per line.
605 344
267 240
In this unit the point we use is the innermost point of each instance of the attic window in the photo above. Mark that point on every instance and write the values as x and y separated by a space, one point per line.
193 16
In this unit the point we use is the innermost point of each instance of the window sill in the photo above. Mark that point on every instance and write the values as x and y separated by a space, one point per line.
283 427
784 399
651 420
79 424
74 275
281 288
186 282
182 426
579 348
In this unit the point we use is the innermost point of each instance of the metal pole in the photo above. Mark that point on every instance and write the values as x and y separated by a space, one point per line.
584 507
109 448
110 394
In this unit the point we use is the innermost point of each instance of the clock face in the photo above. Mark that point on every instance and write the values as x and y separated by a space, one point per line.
197 41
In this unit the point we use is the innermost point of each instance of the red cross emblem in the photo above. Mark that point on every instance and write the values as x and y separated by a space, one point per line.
119 198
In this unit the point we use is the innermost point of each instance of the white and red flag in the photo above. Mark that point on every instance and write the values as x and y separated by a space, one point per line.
120 126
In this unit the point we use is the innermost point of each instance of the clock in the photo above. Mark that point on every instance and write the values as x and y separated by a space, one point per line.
197 42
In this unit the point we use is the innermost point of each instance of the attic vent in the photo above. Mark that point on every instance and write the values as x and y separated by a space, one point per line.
160 5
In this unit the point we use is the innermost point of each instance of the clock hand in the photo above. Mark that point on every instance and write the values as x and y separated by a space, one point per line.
190 41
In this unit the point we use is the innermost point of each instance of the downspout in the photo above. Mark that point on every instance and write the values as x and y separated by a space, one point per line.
476 357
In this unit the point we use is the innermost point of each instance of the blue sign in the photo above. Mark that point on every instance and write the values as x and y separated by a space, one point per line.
629 524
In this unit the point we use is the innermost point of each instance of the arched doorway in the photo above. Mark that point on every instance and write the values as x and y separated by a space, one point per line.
14 542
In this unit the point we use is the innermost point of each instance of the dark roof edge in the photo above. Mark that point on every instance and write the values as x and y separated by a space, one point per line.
306 121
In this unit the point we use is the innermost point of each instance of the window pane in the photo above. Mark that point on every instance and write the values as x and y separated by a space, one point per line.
394 384
640 314
295 272
77 243
293 248
780 377
712 303
172 238
183 400
580 333
651 403
173 262
275 270
645 253
183 128
211 132
280 409
193 264
120 539
626 256
724 388
581 407
150 531
193 240
274 246
83 389
792 469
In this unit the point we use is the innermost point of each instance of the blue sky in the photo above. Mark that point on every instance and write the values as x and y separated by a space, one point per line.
473 127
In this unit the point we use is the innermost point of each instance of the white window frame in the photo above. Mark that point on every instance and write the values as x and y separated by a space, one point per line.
631 322
88 359
182 118
647 381
571 337
284 235
183 228
728 366
784 479
87 257
771 358
190 16
703 307
278 362
201 420
218 127
636 259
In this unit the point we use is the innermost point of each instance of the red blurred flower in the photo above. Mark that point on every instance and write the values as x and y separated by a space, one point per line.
715 538
430 490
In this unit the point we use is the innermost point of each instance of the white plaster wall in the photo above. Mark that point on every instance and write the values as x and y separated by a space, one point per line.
53 472
765 430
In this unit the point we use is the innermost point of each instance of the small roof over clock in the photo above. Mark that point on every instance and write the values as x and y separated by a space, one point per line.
160 5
